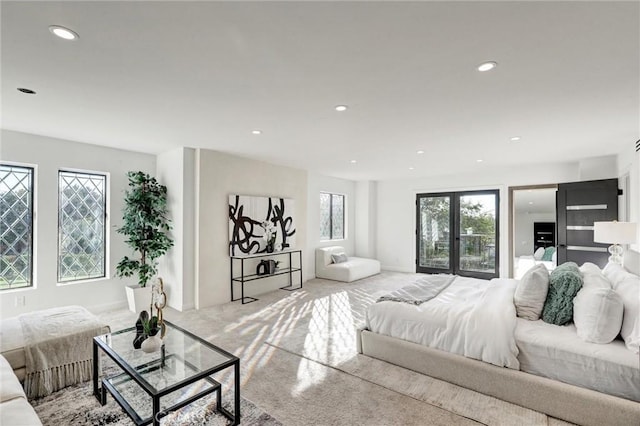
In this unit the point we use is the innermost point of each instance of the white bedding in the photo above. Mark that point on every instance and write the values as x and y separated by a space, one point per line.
471 317
558 353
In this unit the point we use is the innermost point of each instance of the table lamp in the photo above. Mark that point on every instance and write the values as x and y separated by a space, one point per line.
615 233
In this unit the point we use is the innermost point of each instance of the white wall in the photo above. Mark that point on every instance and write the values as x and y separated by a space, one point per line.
629 164
595 168
396 205
218 176
365 213
318 183
523 230
49 155
175 169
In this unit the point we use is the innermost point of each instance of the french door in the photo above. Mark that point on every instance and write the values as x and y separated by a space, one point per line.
457 233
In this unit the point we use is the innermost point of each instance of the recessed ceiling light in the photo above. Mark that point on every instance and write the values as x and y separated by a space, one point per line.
514 138
353 161
478 161
530 202
27 91
256 132
63 32
487 66
341 108
420 152
410 168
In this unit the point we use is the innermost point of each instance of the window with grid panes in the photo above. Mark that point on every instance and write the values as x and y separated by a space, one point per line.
16 226
331 216
82 204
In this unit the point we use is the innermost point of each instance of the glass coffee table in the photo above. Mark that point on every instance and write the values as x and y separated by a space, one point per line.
149 386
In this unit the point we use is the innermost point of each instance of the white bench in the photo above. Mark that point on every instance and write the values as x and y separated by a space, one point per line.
354 268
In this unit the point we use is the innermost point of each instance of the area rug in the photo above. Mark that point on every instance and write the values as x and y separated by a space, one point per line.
77 406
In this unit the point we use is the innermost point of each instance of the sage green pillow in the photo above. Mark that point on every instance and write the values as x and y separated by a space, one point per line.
564 283
548 254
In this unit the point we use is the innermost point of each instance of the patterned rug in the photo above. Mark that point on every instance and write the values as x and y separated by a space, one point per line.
77 406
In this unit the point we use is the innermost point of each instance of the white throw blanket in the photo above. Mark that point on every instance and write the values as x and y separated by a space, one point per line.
422 290
58 348
471 317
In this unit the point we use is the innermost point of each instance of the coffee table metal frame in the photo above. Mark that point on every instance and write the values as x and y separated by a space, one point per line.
164 361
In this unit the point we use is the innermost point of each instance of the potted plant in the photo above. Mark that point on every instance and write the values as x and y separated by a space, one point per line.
146 226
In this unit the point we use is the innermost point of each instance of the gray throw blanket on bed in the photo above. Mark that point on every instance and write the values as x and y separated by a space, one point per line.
422 290
58 348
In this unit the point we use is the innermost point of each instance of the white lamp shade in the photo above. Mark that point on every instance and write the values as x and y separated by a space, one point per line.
614 232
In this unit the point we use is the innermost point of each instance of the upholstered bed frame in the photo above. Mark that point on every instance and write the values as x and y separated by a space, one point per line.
557 399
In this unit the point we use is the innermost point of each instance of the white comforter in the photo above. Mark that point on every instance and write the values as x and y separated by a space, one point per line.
471 317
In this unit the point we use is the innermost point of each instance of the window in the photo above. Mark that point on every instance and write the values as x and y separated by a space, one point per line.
81 226
16 227
331 216
457 232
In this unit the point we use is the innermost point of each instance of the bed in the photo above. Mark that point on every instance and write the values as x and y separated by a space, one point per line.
549 370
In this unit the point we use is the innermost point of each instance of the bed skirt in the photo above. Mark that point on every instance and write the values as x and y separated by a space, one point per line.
556 399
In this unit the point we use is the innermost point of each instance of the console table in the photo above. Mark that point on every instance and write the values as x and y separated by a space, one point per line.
246 276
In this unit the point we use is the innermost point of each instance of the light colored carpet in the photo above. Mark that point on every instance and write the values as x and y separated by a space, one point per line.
76 405
299 361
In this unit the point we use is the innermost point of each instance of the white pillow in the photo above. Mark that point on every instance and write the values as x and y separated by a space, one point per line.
590 268
616 273
597 314
531 293
592 277
338 258
629 291
539 253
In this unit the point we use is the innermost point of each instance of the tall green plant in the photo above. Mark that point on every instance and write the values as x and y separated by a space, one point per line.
145 224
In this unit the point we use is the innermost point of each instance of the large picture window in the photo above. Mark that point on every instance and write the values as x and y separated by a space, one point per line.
331 216
81 225
16 227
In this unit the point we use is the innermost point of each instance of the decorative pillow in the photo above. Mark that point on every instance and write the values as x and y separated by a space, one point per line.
338 258
616 273
564 283
590 268
592 277
539 253
597 314
629 291
531 293
548 254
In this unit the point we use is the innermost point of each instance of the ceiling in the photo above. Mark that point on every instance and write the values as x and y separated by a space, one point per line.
152 76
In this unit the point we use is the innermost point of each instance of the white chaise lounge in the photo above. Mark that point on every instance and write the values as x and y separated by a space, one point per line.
354 268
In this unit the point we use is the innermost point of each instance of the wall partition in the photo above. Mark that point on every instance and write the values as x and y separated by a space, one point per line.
457 233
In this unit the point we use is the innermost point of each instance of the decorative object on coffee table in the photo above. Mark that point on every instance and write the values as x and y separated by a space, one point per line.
146 326
151 344
159 301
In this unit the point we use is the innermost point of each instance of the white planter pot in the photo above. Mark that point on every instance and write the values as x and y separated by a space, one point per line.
139 298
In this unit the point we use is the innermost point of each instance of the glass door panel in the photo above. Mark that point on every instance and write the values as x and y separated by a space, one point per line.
434 233
457 233
477 227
